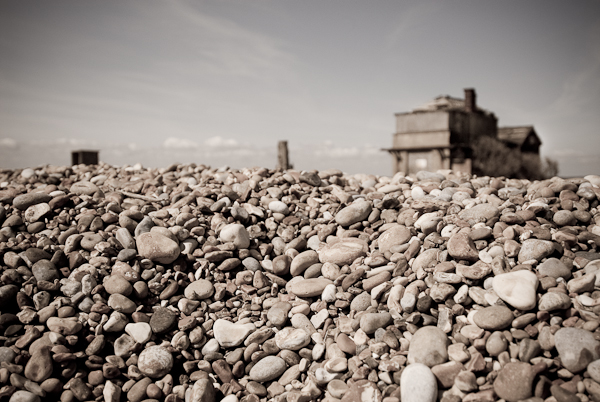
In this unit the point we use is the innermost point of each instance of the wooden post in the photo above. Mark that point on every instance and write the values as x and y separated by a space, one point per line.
87 157
282 156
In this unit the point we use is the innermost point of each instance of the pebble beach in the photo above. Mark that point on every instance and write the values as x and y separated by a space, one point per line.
197 284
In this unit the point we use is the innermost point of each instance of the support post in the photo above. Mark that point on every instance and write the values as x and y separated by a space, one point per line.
86 157
282 156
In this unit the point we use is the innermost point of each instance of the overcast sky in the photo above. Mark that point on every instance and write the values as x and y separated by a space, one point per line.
220 82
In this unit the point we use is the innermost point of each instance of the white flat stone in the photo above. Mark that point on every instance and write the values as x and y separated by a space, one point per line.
517 289
418 384
139 331
229 334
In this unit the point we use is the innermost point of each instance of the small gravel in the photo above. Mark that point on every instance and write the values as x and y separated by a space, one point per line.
189 283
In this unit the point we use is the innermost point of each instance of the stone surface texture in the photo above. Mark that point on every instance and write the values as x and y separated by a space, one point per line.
191 283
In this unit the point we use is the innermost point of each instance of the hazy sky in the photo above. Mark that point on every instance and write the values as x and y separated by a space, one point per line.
220 82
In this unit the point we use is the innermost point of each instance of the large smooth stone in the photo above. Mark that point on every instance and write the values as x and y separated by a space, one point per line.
8 294
24 396
45 270
117 284
230 334
429 345
199 290
141 332
576 347
394 236
418 384
157 247
39 367
493 318
121 304
292 338
7 354
24 201
64 326
535 249
461 247
517 288
356 212
155 362
267 369
594 370
35 212
162 320
203 391
564 218
555 268
309 287
138 392
125 238
84 188
370 322
236 234
302 261
278 313
514 381
477 271
361 302
343 252
479 213
554 301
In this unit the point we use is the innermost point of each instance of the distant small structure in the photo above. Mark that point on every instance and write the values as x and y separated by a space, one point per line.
86 157
440 134
523 138
283 156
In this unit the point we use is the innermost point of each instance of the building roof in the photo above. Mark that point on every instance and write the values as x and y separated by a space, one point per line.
516 135
445 103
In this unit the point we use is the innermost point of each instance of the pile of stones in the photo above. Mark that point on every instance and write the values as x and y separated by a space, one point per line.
196 284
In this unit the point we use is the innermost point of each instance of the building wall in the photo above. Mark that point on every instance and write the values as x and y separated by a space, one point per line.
531 144
419 140
432 129
418 132
426 160
415 161
464 166
465 127
422 122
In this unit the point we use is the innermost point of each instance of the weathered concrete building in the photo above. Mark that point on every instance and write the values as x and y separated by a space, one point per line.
439 135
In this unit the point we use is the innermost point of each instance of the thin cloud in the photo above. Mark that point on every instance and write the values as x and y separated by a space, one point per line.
227 48
8 143
179 143
220 142
582 88
413 17
62 142
328 149
216 142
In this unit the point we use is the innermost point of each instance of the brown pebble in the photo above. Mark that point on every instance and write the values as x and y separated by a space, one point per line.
52 385
153 391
